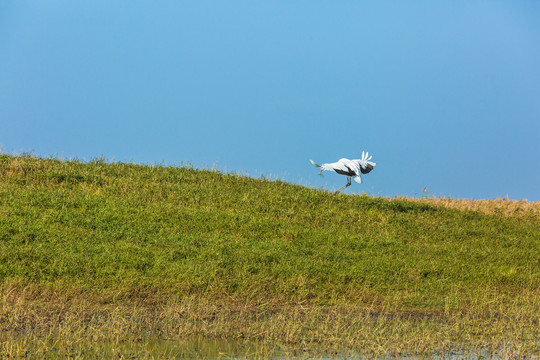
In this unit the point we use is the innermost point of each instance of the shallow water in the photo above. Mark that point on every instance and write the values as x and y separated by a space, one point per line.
212 348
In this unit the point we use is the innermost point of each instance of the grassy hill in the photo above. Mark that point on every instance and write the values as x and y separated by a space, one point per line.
207 247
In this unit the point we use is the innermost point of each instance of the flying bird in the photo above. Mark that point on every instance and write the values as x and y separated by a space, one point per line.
350 168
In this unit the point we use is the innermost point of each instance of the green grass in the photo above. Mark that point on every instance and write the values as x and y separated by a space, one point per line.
155 236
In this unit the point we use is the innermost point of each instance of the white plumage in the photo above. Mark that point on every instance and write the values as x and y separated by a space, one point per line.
350 168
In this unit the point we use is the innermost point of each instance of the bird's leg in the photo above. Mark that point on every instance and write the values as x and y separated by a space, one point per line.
344 186
341 188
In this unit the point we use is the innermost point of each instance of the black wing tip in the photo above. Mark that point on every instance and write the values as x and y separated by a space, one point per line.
367 169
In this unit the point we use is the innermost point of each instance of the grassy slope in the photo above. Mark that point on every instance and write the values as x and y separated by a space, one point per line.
158 233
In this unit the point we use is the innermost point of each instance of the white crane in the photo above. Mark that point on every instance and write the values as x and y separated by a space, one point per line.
350 168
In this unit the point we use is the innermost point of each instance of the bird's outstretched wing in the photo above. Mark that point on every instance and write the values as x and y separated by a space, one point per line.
345 167
365 165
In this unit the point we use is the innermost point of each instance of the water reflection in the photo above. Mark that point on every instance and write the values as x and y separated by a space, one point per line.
213 348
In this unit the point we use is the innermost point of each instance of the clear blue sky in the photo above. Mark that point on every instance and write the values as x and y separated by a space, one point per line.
443 94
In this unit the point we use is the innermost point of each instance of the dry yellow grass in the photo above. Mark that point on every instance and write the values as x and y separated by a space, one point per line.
71 325
498 206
